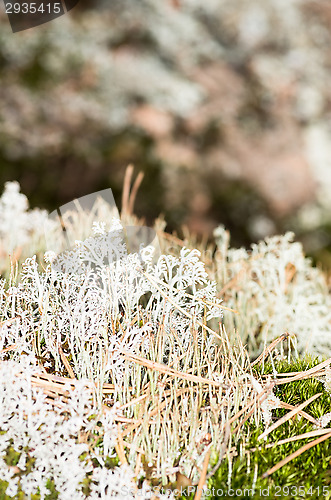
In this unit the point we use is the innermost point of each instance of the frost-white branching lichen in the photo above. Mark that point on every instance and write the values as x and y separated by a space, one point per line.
138 326
276 289
19 226
102 308
44 437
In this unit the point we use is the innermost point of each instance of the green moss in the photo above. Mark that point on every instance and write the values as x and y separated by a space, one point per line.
304 476
53 495
12 457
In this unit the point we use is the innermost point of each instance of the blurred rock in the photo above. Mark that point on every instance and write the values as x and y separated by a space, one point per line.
154 122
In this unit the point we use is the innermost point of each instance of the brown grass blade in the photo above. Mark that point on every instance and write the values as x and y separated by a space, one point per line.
270 348
183 311
306 374
302 413
120 446
153 365
160 407
295 454
306 435
9 348
171 237
288 416
260 397
134 192
190 296
133 402
9 321
126 189
222 452
66 363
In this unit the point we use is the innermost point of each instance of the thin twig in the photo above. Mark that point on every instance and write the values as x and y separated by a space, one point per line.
202 481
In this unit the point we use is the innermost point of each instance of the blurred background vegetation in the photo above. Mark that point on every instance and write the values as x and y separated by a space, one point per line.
225 105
